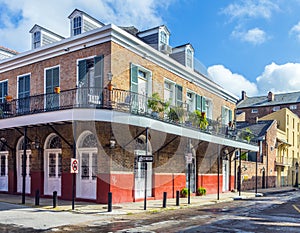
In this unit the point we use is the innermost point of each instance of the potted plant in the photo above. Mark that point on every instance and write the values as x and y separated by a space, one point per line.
156 104
198 119
201 191
176 114
247 135
184 192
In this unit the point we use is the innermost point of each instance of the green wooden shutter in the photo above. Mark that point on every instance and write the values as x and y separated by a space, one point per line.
178 95
203 104
81 72
134 78
55 77
223 114
230 115
99 63
198 102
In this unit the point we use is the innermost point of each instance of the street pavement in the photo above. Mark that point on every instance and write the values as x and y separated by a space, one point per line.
45 216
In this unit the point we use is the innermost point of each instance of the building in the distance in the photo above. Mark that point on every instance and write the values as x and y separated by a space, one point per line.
122 103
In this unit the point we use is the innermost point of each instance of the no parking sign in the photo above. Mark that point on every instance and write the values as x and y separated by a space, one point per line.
74 165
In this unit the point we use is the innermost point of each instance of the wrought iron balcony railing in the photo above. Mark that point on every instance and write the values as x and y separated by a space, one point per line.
118 100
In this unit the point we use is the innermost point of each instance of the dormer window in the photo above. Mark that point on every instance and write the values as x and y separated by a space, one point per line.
189 58
163 38
36 39
77 25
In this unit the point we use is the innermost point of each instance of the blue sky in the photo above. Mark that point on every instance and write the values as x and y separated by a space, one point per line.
248 45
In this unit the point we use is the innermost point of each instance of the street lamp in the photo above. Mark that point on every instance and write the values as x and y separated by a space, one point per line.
297 171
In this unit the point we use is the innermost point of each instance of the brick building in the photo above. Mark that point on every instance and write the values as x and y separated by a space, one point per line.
88 97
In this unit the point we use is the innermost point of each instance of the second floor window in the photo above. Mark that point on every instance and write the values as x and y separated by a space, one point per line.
24 93
3 91
77 26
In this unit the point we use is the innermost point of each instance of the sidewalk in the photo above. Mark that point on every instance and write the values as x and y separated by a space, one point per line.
138 207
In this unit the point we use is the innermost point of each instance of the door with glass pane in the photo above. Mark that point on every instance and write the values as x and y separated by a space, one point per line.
192 176
52 81
86 186
90 81
225 175
24 94
139 178
53 170
3 171
20 171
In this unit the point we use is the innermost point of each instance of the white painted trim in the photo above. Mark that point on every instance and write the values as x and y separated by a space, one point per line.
121 118
115 34
22 75
45 70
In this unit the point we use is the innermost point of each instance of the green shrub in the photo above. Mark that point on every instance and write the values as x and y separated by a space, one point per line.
201 191
184 192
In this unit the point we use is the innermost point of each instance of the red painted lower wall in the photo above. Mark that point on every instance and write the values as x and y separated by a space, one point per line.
122 187
66 185
210 182
103 188
12 182
37 182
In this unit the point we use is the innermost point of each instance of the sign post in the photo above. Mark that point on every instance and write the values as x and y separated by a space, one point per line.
189 160
74 165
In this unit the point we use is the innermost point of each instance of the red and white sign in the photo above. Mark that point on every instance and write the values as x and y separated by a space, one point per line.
74 165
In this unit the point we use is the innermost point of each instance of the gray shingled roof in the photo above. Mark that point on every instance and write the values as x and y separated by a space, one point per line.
260 128
261 101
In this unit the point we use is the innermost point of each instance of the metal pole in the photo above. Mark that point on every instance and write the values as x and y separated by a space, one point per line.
189 183
240 173
218 196
74 174
145 191
177 198
24 166
165 200
109 205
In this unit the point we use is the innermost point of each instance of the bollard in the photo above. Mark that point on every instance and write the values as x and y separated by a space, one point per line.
165 200
54 199
109 207
37 197
177 198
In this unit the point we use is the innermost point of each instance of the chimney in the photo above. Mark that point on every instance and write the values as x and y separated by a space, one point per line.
270 96
244 96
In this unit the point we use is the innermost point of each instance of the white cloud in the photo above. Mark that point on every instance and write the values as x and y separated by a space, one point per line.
295 30
251 9
53 16
279 78
232 82
254 36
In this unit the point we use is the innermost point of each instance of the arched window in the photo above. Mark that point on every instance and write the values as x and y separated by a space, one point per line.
54 142
89 141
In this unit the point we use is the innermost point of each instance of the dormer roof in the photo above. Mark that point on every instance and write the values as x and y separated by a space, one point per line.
154 29
37 27
76 12
179 47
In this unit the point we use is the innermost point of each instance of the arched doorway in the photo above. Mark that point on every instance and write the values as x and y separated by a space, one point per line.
20 152
52 165
3 167
86 182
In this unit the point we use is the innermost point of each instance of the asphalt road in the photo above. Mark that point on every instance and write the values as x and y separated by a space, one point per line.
273 213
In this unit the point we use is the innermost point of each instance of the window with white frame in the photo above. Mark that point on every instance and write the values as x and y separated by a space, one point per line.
190 101
293 106
209 108
169 92
254 111
276 108
189 58
36 39
77 25
163 38
3 90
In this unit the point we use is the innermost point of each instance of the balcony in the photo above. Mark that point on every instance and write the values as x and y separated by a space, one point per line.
120 101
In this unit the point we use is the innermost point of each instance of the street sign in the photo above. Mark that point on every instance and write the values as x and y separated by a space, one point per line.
189 158
145 158
74 165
